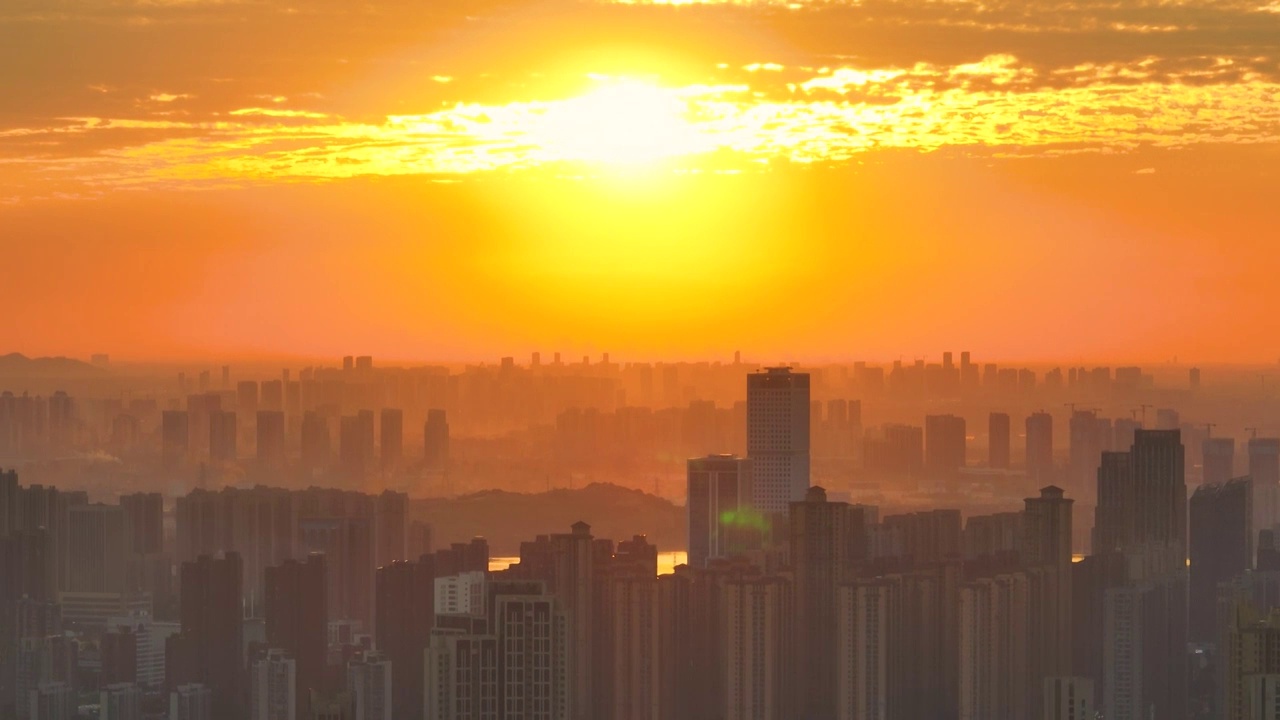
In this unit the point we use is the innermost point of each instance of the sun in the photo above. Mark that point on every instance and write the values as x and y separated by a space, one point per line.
621 122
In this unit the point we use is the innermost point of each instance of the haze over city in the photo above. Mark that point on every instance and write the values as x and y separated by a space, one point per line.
639 360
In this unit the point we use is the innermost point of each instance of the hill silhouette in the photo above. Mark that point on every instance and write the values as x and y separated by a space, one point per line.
507 518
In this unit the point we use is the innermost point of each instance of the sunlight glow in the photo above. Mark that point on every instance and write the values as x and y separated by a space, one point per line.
622 122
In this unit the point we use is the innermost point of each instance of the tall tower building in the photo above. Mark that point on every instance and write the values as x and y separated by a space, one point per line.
297 620
1221 547
222 436
354 451
1046 556
392 435
404 616
316 445
144 520
778 437
96 557
369 682
718 508
435 437
271 439
1085 449
273 687
1068 698
119 701
869 650
1264 460
174 439
1039 448
210 643
192 701
826 539
998 440
944 446
758 649
1219 459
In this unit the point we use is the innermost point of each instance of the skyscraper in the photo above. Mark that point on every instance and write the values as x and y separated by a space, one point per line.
209 646
119 701
392 435
826 539
1085 449
144 519
273 687
435 438
869 651
315 442
778 437
1039 448
96 557
718 507
1068 698
758 649
1221 547
297 620
1219 455
222 436
944 446
191 701
998 440
174 439
404 616
348 546
271 440
354 451
1264 460
369 683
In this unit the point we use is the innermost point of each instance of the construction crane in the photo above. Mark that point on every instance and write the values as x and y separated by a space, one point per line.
1144 407
1208 429
1253 432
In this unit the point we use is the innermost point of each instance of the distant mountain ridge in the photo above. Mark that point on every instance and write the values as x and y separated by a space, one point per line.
507 518
19 364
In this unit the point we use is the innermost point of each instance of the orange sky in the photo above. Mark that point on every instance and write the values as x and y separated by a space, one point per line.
1043 180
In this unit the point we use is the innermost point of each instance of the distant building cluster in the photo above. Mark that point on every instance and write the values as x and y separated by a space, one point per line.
1019 583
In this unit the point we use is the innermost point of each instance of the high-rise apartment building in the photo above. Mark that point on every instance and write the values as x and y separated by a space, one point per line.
96 556
271 440
718 508
1264 460
1068 698
222 436
273 687
192 701
405 614
826 539
174 439
144 519
391 430
119 701
758 656
998 440
778 437
1039 448
1221 547
944 446
369 683
209 649
297 621
435 438
1218 460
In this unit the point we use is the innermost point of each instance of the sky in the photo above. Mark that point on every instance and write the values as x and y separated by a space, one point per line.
809 180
